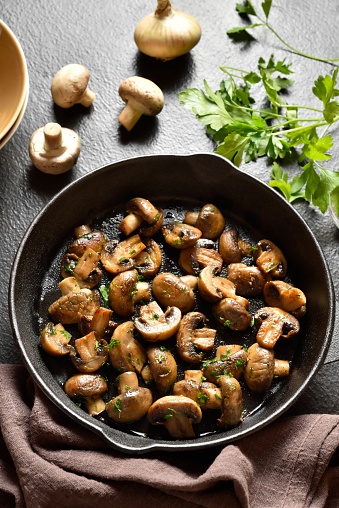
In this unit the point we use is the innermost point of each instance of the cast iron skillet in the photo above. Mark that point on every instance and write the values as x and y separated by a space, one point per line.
183 181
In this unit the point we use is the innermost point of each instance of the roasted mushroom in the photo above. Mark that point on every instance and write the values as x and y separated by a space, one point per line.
278 293
232 402
133 401
86 270
69 309
259 370
87 239
231 362
200 255
232 248
274 323
163 368
214 288
125 291
88 388
248 280
125 352
54 340
180 235
206 395
119 257
270 259
193 334
148 262
100 323
232 314
169 290
154 324
210 221
89 353
177 413
142 215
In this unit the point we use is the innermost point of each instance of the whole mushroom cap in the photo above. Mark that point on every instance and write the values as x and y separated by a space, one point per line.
142 97
69 86
54 149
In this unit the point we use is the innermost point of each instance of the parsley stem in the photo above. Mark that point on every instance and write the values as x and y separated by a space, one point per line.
332 61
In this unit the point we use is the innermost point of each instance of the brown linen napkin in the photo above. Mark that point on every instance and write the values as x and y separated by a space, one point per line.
47 459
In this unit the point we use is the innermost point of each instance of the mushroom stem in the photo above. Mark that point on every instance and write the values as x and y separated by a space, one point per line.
87 98
53 136
129 116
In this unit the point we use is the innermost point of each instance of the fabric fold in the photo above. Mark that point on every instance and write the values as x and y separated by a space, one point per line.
51 460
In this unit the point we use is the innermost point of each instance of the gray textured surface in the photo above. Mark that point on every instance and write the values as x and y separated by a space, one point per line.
99 34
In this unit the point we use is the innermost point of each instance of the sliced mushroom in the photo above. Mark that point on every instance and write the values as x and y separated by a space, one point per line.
88 388
133 401
232 365
210 221
94 240
278 293
232 403
117 258
232 314
274 323
248 280
154 324
86 270
163 368
214 288
69 285
125 292
130 223
169 290
100 323
206 395
68 263
144 208
89 354
202 254
270 259
148 262
125 352
70 308
177 413
193 334
54 340
180 235
259 370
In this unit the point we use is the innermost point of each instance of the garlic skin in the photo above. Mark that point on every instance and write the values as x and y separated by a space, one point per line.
167 33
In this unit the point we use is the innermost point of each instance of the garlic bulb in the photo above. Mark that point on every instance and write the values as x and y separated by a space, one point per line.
167 33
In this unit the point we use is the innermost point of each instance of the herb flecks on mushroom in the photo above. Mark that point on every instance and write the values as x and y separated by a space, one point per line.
180 235
232 313
118 257
229 361
70 86
132 402
193 259
270 259
156 325
89 353
163 368
207 395
54 149
142 97
125 352
278 293
69 309
54 339
88 389
177 414
273 324
170 290
193 334
125 291
249 280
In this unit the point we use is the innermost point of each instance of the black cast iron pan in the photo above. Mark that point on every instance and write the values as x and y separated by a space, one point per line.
178 183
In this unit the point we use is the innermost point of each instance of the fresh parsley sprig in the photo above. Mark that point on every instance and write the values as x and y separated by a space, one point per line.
249 10
245 132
